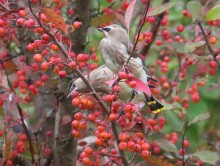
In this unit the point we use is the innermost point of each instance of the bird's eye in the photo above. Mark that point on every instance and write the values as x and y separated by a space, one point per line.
73 86
106 29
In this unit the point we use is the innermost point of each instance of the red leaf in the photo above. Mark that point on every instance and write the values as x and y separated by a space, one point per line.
129 14
110 82
66 119
55 18
120 18
141 86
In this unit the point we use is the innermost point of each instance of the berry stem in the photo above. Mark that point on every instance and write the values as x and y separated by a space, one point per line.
212 52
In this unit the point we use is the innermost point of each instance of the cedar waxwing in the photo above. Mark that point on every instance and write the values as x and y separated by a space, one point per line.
114 48
100 78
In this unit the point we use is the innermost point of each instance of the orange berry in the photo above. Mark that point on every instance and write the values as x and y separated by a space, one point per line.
122 145
45 66
88 150
54 47
83 125
77 24
75 124
145 153
112 117
38 58
212 39
76 101
76 134
166 85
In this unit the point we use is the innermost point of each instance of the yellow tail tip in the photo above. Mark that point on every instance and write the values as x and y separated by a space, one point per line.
158 110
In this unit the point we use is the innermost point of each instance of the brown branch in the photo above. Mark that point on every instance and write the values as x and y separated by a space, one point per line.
65 54
184 133
212 52
122 152
139 30
154 29
21 115
174 79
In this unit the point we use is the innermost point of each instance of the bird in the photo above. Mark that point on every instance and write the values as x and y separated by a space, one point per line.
114 48
101 79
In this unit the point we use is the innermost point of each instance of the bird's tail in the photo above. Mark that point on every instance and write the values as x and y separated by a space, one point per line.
154 105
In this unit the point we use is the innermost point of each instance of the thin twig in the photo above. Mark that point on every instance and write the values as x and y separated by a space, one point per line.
212 52
21 115
133 158
174 79
149 129
122 152
184 133
139 30
154 30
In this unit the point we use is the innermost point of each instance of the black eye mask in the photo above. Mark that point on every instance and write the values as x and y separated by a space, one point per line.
106 29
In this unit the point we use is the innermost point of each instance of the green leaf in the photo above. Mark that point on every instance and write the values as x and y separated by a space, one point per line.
199 118
171 115
213 13
160 9
195 9
190 47
207 156
179 47
167 145
183 85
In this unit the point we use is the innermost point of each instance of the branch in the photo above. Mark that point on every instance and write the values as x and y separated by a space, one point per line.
65 54
21 115
122 153
184 133
212 52
174 79
139 30
154 29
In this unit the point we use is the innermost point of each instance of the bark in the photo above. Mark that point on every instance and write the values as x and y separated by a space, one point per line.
82 8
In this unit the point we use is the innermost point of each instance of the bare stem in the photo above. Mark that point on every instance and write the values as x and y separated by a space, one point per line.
184 133
122 153
21 116
139 30
154 30
212 52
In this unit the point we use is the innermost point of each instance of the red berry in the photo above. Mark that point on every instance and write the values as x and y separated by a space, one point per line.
180 28
186 143
212 64
20 22
122 75
62 73
1 133
145 153
182 152
72 65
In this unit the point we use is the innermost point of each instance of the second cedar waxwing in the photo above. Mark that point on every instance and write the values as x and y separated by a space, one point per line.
99 79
